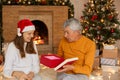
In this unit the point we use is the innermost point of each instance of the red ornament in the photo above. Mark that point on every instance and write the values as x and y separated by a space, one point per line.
43 2
112 30
99 27
98 37
110 16
16 1
81 17
94 17
86 28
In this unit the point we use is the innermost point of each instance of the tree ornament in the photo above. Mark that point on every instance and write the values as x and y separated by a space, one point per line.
63 3
16 1
86 28
94 17
110 17
89 10
87 22
99 27
29 2
83 31
102 20
43 2
98 37
9 2
56 0
39 1
24 2
92 5
112 30
103 9
93 24
19 1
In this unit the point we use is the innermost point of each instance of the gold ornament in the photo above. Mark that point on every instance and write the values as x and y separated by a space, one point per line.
29 2
89 10
91 1
20 0
83 31
39 0
63 3
56 0
102 20
92 5
87 22
97 11
60 1
93 24
9 2
23 2
103 9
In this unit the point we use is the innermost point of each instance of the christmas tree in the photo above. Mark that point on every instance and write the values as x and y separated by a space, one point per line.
100 21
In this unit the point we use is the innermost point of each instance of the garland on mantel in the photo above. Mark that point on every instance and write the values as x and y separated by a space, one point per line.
43 2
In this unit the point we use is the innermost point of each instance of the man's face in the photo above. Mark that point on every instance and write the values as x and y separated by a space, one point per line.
71 35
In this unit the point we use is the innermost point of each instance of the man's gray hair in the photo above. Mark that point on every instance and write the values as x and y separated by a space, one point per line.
74 24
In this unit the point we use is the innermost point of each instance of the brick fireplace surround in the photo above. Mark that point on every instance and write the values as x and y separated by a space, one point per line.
52 16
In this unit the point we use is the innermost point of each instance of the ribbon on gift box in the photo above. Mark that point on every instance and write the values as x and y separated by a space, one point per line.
108 61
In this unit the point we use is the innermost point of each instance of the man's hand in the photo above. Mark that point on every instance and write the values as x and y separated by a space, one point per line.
66 68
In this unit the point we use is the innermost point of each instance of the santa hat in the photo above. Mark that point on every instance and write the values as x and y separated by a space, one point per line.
24 25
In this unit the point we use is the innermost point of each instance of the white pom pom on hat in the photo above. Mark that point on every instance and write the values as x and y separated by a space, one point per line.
24 25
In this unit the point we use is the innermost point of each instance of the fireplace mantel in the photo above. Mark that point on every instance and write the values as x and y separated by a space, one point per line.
53 16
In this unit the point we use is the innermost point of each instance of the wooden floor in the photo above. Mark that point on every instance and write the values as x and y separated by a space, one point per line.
50 74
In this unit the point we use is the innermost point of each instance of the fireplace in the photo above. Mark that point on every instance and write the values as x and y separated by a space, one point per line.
41 33
48 21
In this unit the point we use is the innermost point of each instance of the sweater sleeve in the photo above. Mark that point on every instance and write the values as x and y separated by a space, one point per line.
36 62
60 50
89 59
9 59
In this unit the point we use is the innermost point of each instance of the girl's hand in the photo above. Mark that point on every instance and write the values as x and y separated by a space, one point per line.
24 77
31 75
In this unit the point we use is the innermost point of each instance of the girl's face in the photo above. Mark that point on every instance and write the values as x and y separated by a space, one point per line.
28 35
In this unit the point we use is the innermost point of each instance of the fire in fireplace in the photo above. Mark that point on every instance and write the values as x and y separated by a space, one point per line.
41 32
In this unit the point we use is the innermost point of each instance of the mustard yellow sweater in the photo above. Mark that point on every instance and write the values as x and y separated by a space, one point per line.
84 48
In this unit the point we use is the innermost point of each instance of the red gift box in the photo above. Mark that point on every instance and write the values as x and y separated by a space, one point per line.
51 60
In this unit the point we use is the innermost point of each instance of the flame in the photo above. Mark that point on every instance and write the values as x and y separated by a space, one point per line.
38 40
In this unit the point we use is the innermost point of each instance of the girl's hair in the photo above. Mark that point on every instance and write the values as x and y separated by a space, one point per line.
74 24
19 43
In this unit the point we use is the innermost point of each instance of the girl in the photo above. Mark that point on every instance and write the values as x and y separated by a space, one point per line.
21 57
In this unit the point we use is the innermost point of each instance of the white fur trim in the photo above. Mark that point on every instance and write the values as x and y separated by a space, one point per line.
28 28
18 32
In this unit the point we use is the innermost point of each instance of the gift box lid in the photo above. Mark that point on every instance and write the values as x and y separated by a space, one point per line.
51 60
